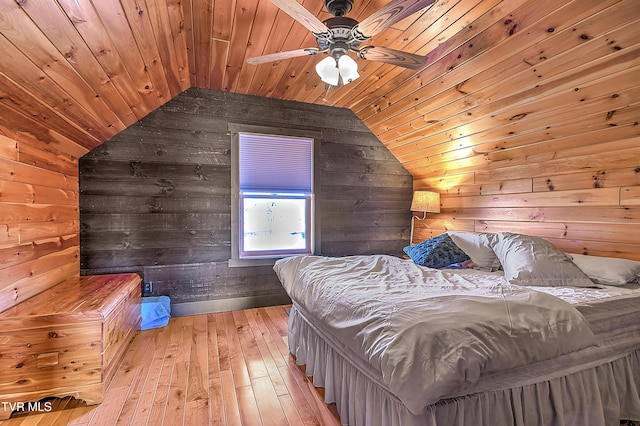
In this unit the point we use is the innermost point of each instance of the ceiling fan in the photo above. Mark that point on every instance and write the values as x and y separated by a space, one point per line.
339 35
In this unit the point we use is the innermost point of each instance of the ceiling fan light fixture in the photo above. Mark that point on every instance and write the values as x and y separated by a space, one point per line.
328 70
348 69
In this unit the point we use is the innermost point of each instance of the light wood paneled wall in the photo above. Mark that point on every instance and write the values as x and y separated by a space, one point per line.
542 141
39 237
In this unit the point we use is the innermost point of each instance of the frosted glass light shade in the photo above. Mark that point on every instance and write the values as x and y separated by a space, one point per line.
331 70
348 69
328 71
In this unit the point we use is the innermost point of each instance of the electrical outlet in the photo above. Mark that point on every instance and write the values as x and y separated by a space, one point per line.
148 287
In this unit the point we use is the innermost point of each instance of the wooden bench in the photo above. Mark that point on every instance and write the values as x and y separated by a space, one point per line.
67 340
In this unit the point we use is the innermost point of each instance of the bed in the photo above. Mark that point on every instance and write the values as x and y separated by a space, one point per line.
538 341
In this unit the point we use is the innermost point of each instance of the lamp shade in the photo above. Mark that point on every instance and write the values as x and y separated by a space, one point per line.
328 70
348 69
425 201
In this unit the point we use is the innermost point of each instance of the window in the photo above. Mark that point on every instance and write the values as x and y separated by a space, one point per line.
274 197
274 224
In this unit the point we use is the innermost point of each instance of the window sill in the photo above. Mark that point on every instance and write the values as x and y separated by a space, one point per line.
242 263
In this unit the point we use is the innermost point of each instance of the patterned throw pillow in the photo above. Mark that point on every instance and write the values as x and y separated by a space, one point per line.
436 252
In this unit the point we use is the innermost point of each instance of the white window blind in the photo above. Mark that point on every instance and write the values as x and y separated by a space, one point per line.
275 164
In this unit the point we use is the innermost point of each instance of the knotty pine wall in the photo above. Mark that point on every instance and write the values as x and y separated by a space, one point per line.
39 238
156 198
563 164
587 204
527 123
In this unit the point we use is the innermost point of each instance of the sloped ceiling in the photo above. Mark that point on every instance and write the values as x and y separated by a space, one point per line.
76 72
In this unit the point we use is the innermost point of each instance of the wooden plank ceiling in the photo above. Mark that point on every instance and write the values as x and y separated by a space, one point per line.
76 72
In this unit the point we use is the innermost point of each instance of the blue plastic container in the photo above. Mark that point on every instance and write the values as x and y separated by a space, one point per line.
155 312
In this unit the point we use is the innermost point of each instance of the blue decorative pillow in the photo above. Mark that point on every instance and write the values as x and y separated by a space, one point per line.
436 252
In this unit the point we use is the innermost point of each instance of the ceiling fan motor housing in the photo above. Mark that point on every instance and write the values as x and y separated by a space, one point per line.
340 39
339 7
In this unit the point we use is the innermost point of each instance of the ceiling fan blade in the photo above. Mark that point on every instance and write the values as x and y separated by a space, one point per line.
392 56
302 15
389 14
310 51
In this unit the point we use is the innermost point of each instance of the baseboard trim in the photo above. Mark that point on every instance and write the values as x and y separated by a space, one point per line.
224 305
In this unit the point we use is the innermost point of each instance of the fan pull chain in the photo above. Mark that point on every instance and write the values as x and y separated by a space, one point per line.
326 93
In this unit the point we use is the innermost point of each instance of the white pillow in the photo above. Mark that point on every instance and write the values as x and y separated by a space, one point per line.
607 270
477 245
528 260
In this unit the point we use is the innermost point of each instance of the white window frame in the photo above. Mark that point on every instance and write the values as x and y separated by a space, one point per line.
238 258
308 249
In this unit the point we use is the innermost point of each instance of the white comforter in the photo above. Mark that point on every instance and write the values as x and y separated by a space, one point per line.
429 331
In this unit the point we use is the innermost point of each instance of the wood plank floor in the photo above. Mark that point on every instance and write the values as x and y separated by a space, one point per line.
230 368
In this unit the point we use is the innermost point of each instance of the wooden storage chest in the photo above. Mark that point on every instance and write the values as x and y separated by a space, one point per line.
67 340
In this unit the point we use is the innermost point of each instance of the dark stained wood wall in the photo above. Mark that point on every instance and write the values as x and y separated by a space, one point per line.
156 198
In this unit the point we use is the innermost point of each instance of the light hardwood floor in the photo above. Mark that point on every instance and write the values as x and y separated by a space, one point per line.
230 368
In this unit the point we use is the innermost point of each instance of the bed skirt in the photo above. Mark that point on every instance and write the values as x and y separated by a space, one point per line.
597 396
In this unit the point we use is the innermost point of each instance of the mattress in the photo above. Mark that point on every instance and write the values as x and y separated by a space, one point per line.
613 314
